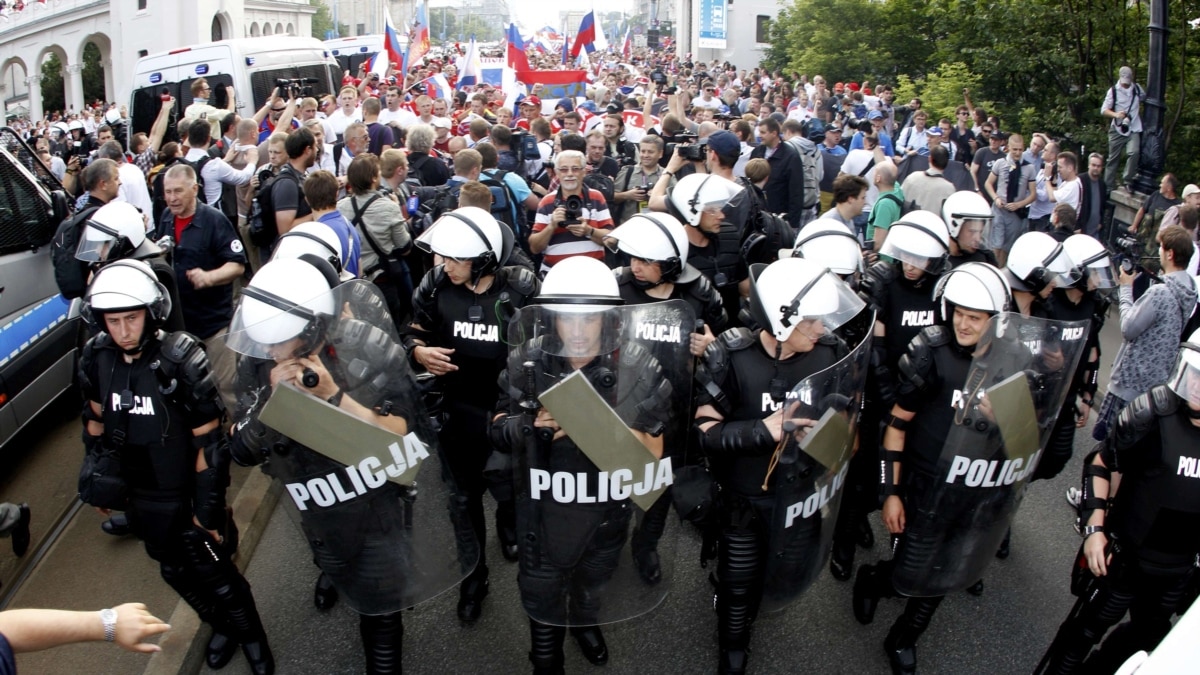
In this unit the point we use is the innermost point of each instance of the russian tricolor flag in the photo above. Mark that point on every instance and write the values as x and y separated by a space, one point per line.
471 72
586 37
391 46
516 58
437 86
418 42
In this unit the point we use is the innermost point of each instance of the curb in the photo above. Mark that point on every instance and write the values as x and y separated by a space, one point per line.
183 647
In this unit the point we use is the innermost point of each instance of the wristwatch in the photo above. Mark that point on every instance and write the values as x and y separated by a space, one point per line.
109 617
336 399
1092 529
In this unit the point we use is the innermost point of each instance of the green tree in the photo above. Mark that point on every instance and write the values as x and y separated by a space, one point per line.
322 21
93 74
54 96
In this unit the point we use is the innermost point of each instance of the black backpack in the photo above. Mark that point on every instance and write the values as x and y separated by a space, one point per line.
198 167
261 223
69 272
602 184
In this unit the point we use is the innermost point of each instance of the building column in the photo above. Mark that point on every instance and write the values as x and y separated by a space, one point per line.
34 84
73 74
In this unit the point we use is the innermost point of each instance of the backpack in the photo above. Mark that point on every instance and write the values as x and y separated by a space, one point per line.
814 169
198 167
766 233
69 272
602 184
261 223
504 203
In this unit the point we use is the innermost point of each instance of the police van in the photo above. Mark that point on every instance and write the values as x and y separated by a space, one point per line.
253 66
351 52
40 331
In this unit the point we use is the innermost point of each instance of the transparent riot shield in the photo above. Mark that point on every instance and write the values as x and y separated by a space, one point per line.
819 441
602 394
360 466
1004 415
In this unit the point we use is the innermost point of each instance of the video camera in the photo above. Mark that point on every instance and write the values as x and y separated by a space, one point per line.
1127 253
681 142
300 87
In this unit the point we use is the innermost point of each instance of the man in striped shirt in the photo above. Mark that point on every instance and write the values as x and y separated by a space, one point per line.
559 233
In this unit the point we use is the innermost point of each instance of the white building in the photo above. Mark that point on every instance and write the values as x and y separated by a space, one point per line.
711 29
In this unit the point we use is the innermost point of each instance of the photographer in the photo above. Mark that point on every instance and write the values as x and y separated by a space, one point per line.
572 221
1151 328
615 145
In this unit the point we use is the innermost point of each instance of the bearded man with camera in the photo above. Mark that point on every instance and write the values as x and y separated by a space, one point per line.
571 221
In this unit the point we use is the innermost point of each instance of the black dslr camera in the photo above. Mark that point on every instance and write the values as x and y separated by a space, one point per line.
573 205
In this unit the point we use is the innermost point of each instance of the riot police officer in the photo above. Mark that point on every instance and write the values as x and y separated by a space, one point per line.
657 247
117 231
829 242
461 311
933 371
746 397
583 392
699 201
155 447
899 287
968 217
328 405
1140 516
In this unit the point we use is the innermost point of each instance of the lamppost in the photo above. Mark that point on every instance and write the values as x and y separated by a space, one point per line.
1153 153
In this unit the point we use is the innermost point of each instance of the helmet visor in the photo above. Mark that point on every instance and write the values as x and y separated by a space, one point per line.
97 243
826 298
574 331
925 263
975 234
1185 380
269 326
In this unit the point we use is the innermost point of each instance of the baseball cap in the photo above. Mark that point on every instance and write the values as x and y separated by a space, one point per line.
1126 75
853 86
532 100
1191 189
724 143
936 132
440 123
874 115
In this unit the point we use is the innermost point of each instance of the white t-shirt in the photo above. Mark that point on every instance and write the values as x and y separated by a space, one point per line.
133 189
855 162
338 121
403 116
1069 193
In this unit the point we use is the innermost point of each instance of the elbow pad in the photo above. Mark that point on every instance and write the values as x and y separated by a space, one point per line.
252 442
208 503
739 437
505 433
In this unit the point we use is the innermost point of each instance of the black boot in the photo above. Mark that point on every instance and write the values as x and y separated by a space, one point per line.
506 529
471 593
220 650
1003 551
546 648
117 525
866 594
901 641
383 641
325 595
591 642
733 662
976 589
841 562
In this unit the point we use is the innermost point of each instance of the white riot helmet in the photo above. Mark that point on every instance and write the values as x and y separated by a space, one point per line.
656 237
831 244
286 299
965 207
1036 260
974 285
699 191
313 242
1185 380
580 281
115 231
1093 264
75 125
919 239
470 233
124 286
791 290
62 128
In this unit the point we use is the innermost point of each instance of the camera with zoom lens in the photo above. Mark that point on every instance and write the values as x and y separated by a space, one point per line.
1128 253
300 87
573 205
693 152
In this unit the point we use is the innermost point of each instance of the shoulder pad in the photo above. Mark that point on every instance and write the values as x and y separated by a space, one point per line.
1141 415
624 276
177 346
425 297
735 339
186 376
521 279
916 366
875 282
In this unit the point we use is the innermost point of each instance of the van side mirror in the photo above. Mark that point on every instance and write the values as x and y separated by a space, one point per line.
60 206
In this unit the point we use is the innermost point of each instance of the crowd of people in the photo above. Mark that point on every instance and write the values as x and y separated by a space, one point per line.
689 231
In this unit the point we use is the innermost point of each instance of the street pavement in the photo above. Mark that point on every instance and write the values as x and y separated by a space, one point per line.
1004 631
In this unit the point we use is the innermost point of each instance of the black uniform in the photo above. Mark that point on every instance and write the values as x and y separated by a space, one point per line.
571 550
904 308
739 450
476 327
1153 526
981 255
150 433
721 261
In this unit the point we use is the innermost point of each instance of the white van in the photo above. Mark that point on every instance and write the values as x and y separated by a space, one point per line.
251 65
350 52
